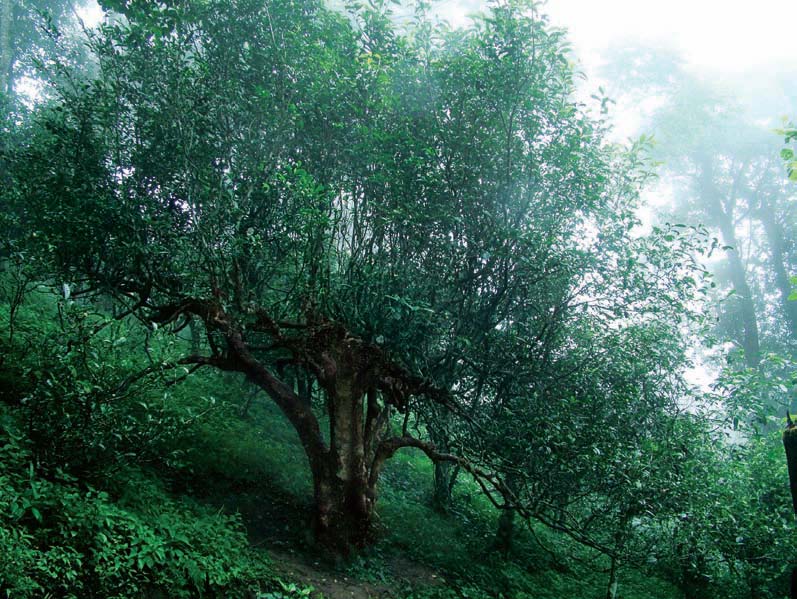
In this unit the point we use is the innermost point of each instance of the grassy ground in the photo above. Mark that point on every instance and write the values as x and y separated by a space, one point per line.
254 464
251 465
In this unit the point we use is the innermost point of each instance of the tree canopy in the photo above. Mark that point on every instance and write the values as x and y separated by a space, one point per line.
368 221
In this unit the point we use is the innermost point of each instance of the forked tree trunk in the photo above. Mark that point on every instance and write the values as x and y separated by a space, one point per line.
353 376
344 502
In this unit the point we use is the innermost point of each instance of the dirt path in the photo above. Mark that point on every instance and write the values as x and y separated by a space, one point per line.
277 522
400 574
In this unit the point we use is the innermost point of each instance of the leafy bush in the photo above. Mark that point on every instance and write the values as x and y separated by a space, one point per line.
62 539
89 401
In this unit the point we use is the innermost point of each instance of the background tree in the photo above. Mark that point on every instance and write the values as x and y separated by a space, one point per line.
28 31
724 171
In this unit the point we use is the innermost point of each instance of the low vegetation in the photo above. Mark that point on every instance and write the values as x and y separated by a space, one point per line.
299 301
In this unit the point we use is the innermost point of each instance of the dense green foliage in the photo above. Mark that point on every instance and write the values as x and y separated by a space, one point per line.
79 516
256 249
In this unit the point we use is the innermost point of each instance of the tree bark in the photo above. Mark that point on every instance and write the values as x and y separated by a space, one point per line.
196 340
343 512
445 473
344 488
353 376
505 533
774 233
724 219
343 506
441 497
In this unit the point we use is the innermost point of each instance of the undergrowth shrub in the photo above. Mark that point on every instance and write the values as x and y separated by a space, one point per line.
61 539
91 393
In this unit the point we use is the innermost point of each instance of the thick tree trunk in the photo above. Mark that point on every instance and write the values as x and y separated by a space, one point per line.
343 512
343 505
353 375
344 490
196 339
441 497
505 534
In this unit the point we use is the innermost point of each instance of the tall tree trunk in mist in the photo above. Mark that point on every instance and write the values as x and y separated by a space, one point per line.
774 233
723 218
750 340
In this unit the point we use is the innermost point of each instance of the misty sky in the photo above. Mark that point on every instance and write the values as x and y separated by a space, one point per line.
747 47
724 35
727 36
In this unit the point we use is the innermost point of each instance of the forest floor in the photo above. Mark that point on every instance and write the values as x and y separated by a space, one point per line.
276 522
332 583
254 466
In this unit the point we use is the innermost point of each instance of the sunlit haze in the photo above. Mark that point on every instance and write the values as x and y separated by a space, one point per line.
725 36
